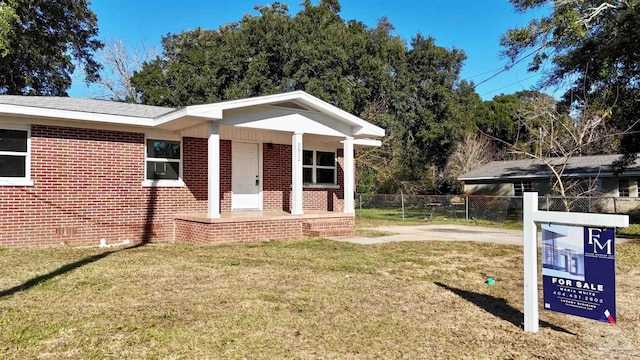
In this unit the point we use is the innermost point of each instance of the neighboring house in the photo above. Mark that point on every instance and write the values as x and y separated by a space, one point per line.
512 178
78 170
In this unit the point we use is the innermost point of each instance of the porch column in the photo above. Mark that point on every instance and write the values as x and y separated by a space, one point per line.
296 174
213 179
349 175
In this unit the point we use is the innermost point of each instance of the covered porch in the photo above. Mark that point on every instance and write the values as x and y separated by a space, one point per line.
278 166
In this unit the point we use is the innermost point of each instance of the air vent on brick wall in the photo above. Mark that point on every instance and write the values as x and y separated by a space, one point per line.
66 231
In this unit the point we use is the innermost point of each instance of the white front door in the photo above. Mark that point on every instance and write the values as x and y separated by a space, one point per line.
245 176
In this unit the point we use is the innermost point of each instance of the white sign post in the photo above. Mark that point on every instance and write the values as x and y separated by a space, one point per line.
531 216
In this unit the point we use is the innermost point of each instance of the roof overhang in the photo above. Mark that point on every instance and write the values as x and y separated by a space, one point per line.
308 115
549 176
22 110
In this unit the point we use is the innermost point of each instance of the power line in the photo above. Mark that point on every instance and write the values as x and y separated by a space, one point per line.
509 66
484 73
506 86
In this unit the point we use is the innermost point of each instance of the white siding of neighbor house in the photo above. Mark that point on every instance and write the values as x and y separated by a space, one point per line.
497 189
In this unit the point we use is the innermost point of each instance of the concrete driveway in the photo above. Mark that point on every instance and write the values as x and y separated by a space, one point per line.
448 232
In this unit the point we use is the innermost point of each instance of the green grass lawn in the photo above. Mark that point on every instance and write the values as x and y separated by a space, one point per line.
378 217
368 218
303 299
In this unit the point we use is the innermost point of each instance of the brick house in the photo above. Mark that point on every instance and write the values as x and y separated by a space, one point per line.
74 171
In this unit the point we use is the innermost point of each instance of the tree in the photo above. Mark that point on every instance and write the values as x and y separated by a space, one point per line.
413 92
39 42
119 64
592 47
554 136
472 152
500 117
8 19
424 105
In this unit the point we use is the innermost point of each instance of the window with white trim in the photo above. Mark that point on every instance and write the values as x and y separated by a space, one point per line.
623 188
15 156
521 187
319 167
164 160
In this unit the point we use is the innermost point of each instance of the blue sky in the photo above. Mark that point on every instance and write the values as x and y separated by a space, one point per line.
474 26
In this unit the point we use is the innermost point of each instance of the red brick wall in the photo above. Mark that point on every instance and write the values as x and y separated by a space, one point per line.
206 233
225 175
276 177
88 186
267 229
277 183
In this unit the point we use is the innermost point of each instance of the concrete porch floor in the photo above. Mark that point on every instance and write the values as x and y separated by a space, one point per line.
260 215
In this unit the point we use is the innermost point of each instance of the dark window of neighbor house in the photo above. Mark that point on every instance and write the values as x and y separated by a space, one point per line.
14 153
598 186
521 187
163 160
319 167
623 188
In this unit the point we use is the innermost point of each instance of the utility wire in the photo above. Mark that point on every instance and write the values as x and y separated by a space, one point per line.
509 66
506 86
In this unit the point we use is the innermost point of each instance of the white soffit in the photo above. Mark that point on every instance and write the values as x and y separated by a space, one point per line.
73 115
367 142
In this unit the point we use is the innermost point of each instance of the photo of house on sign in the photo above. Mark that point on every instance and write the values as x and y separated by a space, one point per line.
563 252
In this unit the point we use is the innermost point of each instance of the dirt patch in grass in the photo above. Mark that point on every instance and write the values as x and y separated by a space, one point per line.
368 232
296 299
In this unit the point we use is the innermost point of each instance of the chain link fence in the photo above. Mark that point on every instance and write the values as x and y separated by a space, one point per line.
480 207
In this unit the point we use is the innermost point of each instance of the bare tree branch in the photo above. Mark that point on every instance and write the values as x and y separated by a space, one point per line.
119 64
473 151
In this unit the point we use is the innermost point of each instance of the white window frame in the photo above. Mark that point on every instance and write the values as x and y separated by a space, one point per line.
522 187
19 181
314 167
163 182
627 189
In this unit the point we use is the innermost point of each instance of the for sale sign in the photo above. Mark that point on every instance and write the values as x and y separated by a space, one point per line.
578 271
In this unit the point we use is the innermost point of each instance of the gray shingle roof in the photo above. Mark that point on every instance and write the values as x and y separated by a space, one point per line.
576 166
86 105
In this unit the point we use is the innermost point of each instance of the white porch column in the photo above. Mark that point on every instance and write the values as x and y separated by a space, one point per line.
213 179
349 175
296 171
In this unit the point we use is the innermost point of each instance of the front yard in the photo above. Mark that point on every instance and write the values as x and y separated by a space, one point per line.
304 299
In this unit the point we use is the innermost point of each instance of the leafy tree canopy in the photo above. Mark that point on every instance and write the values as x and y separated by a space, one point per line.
414 91
39 42
499 118
593 47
